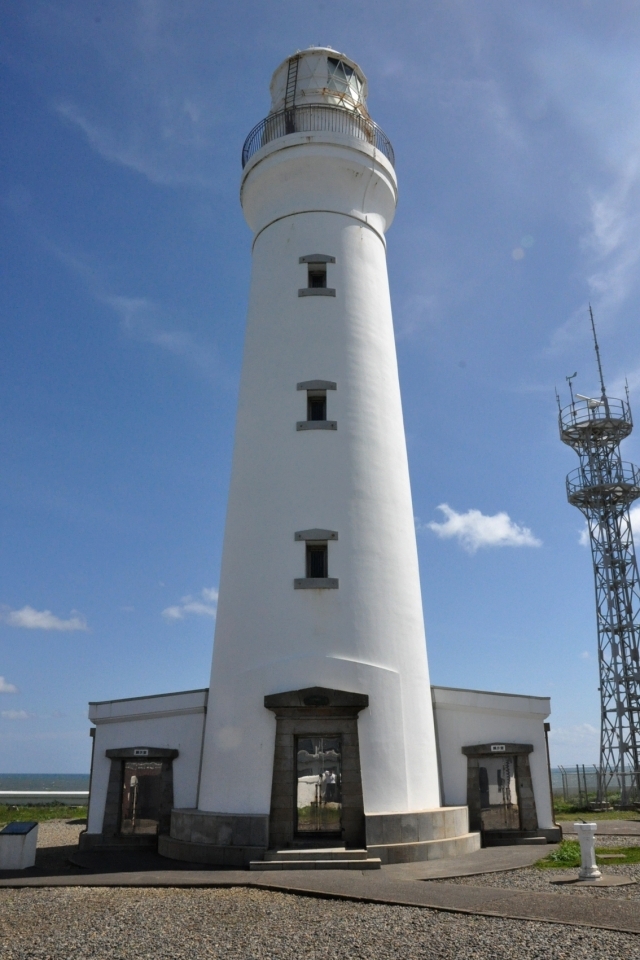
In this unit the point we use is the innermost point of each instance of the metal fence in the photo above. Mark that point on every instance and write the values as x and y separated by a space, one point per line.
586 785
312 119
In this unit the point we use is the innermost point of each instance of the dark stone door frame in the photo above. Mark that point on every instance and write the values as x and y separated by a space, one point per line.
315 711
118 757
526 800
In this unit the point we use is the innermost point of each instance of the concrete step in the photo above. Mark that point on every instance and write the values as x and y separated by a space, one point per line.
506 840
316 853
373 863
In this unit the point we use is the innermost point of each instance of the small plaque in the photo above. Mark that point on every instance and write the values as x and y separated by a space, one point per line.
143 752
497 748
20 827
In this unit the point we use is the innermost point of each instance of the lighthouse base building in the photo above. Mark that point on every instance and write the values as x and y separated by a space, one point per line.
320 735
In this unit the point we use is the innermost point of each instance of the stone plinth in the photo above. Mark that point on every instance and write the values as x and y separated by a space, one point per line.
423 835
222 839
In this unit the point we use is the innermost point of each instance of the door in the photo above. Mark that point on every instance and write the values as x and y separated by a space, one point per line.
499 793
141 797
319 786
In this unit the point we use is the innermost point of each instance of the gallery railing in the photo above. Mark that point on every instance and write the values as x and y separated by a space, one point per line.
315 118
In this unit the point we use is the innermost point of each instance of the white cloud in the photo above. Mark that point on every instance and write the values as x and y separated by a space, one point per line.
474 529
585 655
32 619
205 606
583 539
14 715
6 687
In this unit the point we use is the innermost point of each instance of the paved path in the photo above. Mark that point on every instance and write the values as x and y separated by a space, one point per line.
608 828
402 884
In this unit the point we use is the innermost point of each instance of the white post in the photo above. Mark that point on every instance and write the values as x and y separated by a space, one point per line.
586 836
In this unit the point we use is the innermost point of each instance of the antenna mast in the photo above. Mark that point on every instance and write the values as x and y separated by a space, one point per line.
595 343
603 487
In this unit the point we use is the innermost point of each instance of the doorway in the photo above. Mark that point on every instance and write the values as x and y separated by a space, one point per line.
141 798
316 790
499 808
500 793
319 786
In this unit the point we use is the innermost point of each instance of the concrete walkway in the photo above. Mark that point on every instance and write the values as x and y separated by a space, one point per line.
401 884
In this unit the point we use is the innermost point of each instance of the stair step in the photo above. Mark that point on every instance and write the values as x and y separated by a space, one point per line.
316 853
373 863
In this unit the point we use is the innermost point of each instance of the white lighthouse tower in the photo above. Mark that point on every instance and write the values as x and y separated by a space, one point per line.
320 607
318 730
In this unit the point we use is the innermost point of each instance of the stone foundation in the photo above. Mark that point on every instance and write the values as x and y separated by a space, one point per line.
220 839
423 835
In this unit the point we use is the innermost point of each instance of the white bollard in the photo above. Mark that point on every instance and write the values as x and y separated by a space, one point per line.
586 836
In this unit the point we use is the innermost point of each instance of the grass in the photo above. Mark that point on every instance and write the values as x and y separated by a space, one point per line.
567 855
565 810
39 812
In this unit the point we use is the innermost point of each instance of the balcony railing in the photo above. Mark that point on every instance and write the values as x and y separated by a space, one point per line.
316 118
618 484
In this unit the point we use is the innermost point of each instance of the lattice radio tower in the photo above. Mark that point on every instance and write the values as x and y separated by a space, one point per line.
603 487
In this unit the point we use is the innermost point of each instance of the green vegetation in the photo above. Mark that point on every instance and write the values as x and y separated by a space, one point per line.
567 855
566 810
39 812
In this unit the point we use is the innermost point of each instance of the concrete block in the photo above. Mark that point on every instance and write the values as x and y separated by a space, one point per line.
392 828
259 831
409 827
373 826
18 842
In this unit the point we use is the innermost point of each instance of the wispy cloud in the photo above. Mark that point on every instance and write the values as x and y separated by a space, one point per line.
141 318
14 714
146 321
474 529
148 151
206 605
32 619
6 687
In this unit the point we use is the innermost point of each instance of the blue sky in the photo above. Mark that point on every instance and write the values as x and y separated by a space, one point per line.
125 265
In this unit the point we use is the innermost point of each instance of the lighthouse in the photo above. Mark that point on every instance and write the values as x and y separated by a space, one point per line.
320 587
316 738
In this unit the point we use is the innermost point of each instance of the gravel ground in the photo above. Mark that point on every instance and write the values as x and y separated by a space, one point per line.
59 833
240 924
531 878
57 840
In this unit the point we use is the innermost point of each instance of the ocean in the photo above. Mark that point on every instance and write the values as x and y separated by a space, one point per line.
44 788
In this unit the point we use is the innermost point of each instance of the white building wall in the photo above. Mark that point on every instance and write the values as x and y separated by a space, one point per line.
465 718
174 721
306 194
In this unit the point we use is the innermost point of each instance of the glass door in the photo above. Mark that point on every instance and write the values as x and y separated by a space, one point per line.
141 796
319 786
499 794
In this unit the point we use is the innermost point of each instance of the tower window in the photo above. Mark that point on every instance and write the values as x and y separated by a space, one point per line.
316 405
317 560
317 275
